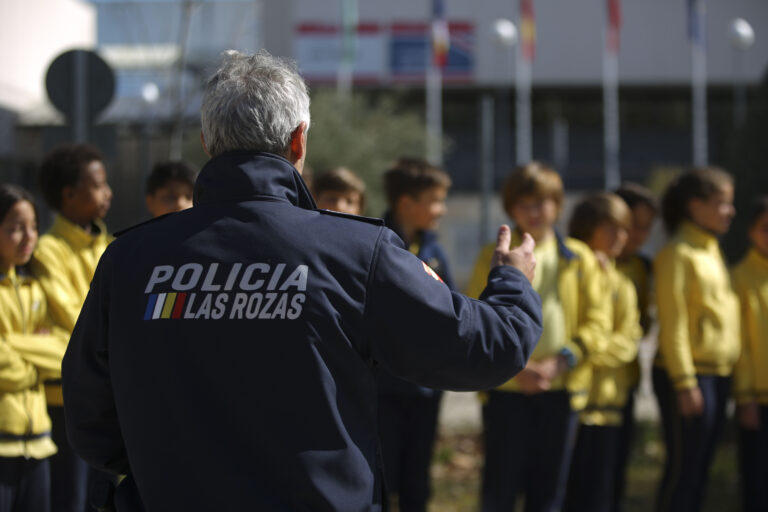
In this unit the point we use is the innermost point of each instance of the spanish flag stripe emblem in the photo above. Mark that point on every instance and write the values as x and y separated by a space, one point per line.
150 307
159 306
168 307
180 300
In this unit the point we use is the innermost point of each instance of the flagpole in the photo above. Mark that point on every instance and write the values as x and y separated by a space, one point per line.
487 137
349 22
434 115
611 128
434 85
698 21
523 76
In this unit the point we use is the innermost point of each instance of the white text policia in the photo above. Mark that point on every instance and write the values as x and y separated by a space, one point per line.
194 291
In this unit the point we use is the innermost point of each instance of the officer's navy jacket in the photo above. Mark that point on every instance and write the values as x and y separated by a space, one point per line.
223 356
433 255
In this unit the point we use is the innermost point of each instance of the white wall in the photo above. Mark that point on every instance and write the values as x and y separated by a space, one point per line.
32 34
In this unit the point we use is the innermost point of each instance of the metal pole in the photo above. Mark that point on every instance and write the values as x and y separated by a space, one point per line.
486 167
349 22
699 87
434 115
739 90
80 117
178 103
611 129
523 137
524 140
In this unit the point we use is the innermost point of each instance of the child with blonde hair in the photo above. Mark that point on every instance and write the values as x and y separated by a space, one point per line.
529 423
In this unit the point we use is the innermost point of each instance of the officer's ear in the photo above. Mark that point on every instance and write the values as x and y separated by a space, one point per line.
205 146
297 149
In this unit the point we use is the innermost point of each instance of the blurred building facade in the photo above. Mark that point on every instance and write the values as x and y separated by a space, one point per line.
145 40
162 50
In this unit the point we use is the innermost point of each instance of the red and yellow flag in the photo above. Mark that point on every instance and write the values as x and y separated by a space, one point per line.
527 29
613 25
441 37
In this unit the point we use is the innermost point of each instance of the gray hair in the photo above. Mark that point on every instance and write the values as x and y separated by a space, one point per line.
253 102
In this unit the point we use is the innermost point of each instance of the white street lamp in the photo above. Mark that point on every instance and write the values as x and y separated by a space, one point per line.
505 32
742 34
150 92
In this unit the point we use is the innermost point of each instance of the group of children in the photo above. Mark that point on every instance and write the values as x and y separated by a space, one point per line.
43 284
557 435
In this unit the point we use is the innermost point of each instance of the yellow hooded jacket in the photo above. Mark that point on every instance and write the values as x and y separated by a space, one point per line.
697 308
64 263
580 295
611 369
750 378
26 358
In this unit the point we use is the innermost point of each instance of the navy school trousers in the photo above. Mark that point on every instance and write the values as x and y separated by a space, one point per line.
528 444
25 485
407 429
690 442
753 462
593 469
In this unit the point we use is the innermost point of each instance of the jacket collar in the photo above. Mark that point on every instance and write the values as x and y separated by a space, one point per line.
697 236
562 249
74 234
757 259
242 175
9 277
14 275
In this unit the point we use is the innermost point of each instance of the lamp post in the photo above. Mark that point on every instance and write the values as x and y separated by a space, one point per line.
150 93
742 37
504 34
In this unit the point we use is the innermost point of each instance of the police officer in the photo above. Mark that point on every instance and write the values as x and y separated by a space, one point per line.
223 358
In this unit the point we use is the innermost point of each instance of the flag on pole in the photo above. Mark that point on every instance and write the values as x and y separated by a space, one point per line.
697 23
614 25
527 29
441 37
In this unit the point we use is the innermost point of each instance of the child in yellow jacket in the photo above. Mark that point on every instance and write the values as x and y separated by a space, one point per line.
750 279
74 183
637 267
30 351
698 314
529 423
602 220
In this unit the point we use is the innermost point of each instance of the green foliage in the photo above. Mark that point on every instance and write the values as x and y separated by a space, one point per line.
364 135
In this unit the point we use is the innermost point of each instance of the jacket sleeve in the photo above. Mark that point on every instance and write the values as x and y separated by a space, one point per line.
63 300
44 351
674 337
89 406
743 379
622 347
16 374
592 333
421 331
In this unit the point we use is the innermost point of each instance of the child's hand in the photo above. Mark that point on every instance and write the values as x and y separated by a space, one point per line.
531 380
749 416
690 402
552 367
520 257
